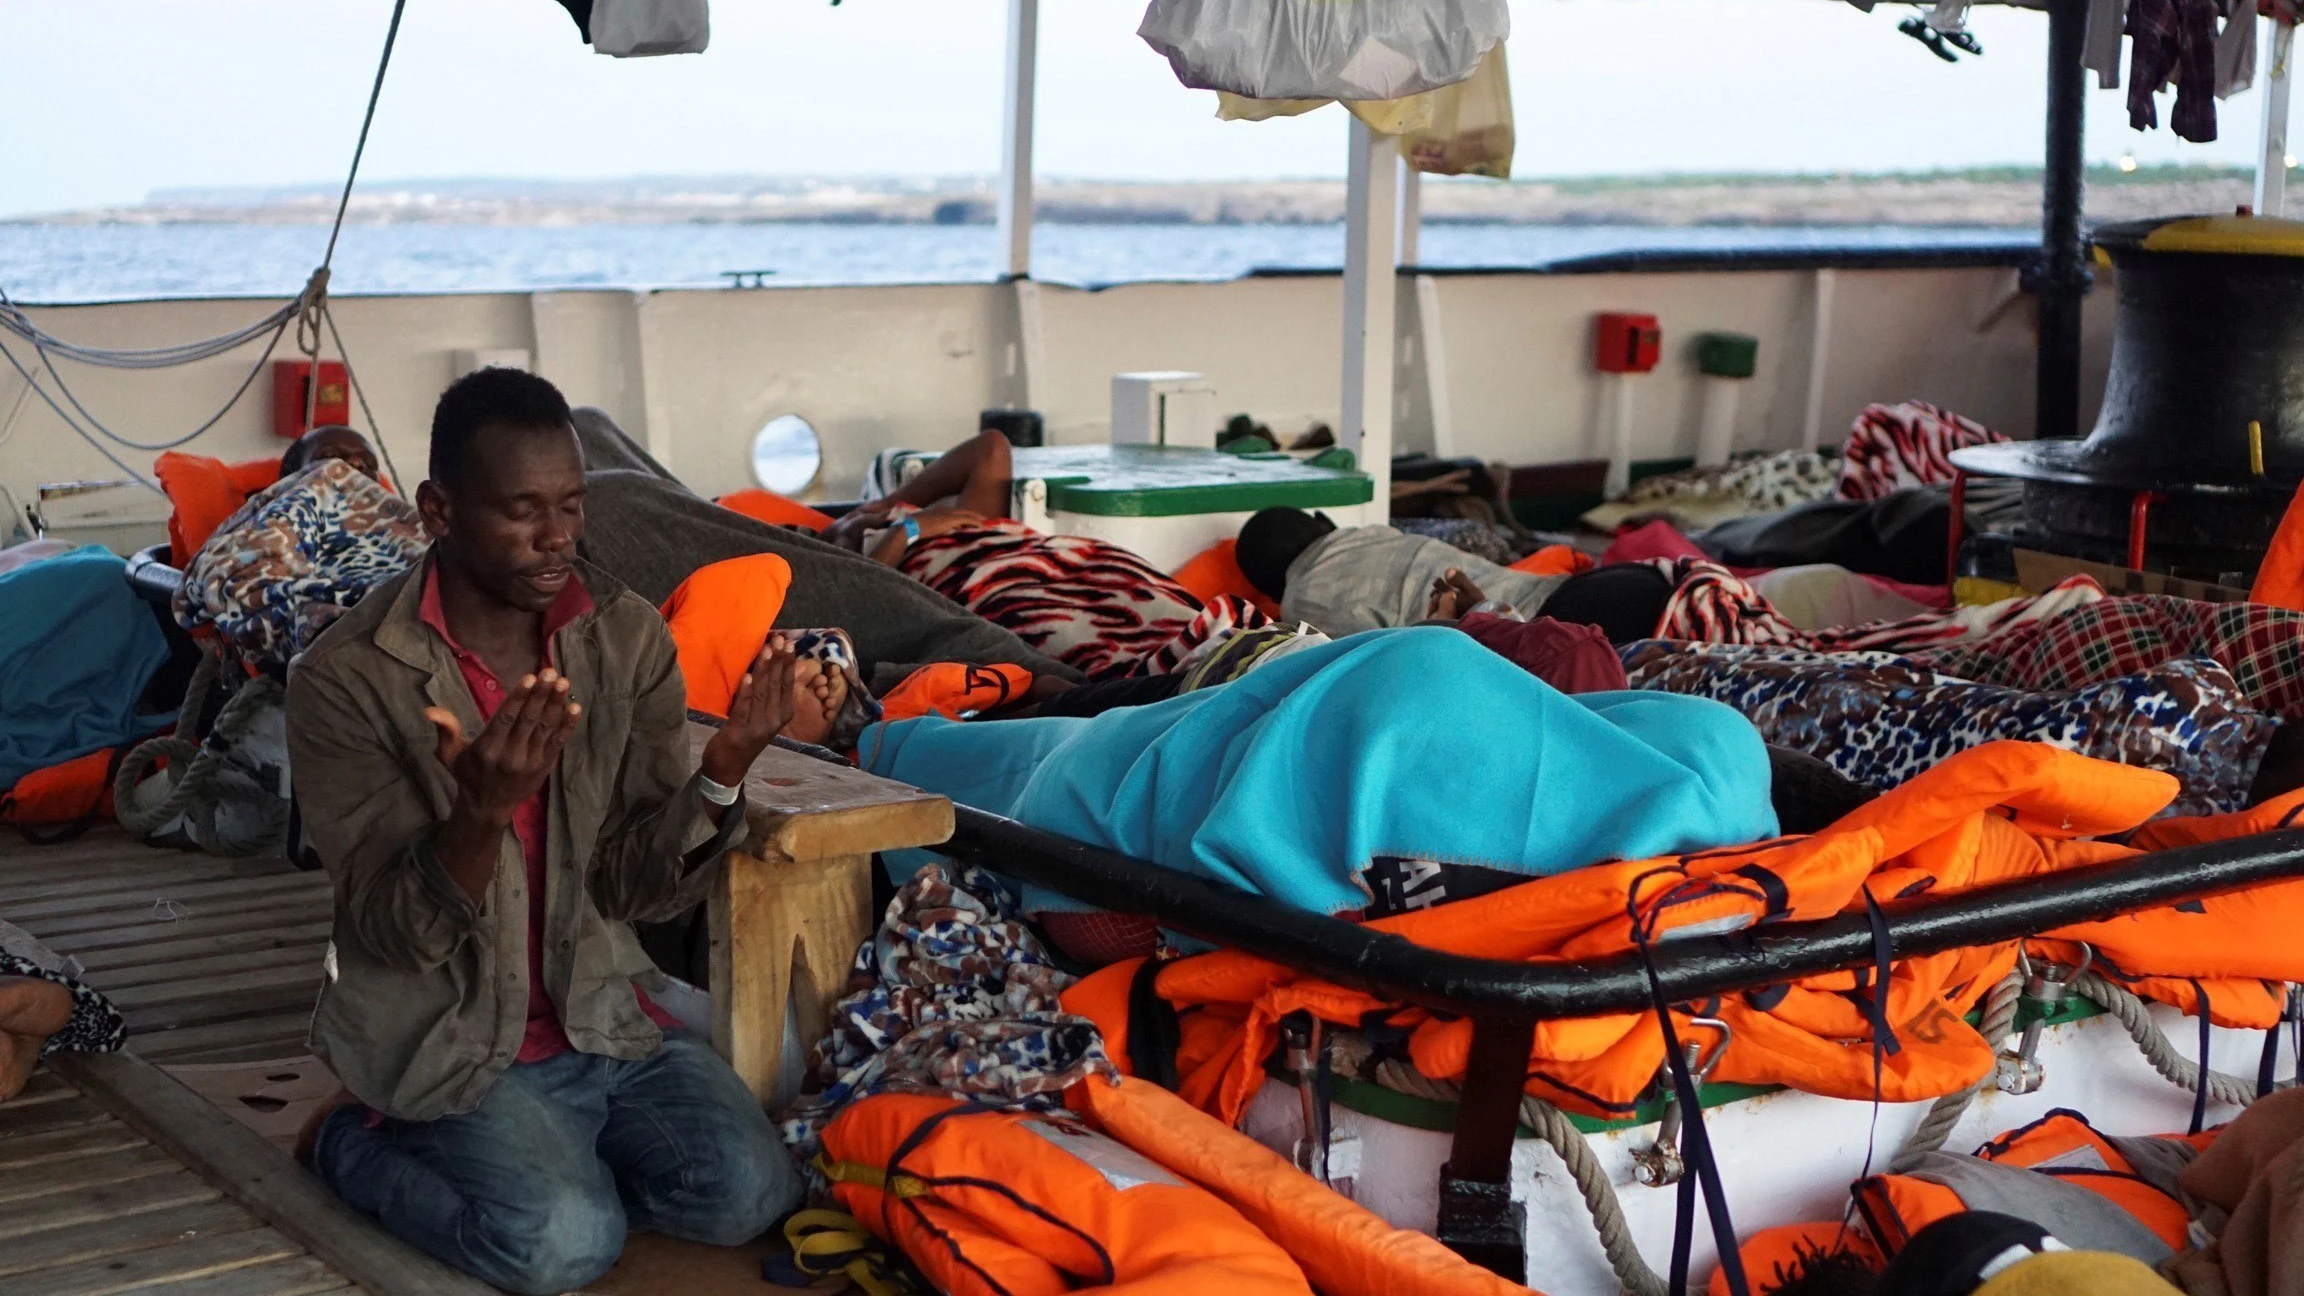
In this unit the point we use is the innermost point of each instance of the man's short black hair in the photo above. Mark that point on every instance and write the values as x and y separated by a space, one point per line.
1274 539
492 397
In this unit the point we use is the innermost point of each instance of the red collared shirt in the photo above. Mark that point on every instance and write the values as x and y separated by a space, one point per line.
544 1037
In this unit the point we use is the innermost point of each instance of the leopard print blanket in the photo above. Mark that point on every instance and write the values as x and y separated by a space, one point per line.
1880 719
294 558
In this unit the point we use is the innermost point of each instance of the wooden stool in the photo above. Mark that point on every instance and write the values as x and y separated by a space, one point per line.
796 899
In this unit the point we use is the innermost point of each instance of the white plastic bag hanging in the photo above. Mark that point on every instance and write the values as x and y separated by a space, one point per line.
641 28
1324 49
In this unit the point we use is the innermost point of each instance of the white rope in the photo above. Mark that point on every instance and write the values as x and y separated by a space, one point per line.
1936 1127
2179 1070
1553 1125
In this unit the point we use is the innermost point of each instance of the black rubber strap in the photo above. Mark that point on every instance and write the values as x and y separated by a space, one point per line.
2200 1095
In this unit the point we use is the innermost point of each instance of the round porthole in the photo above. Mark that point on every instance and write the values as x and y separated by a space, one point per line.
786 455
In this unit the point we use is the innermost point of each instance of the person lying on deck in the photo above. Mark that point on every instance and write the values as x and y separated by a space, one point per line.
1089 603
492 757
1294 779
1343 580
652 533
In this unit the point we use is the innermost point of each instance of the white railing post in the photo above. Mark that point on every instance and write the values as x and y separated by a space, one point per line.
2272 161
1015 208
1371 219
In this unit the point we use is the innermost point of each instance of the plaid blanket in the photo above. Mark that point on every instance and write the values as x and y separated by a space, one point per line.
2261 646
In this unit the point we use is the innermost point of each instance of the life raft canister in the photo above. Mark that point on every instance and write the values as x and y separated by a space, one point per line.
1005 1203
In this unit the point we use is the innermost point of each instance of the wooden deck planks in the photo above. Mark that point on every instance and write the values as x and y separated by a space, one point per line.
113 1177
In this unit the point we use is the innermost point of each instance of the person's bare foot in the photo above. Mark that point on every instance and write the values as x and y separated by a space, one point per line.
818 693
1452 596
31 1010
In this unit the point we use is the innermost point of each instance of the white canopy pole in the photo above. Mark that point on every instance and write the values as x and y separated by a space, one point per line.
1016 141
1371 222
1411 214
2272 162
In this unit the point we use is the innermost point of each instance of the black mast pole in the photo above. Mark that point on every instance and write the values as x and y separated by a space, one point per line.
2063 277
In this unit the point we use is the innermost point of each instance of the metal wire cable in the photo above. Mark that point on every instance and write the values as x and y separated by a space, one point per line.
73 424
375 430
375 91
307 312
14 320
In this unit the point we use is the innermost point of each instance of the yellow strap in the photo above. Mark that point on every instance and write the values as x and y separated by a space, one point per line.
870 1176
829 1242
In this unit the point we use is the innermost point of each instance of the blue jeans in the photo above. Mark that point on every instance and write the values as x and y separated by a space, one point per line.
533 1190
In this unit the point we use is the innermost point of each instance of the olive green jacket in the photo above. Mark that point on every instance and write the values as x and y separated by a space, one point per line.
426 997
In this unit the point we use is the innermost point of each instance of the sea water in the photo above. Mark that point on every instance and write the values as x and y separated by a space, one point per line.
78 263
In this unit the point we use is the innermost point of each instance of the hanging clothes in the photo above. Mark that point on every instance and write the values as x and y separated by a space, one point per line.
2175 40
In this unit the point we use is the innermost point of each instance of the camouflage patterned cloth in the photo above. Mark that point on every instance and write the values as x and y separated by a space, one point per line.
955 996
294 558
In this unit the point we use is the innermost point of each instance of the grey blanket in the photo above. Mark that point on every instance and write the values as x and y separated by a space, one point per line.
646 529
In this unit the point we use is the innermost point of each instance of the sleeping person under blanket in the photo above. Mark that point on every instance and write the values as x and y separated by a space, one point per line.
1089 603
1414 744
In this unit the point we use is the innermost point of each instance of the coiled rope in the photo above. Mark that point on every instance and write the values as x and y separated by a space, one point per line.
195 766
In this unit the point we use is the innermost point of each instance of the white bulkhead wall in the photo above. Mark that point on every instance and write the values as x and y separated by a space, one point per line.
694 373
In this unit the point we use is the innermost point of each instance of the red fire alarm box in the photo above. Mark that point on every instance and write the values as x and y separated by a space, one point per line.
1628 343
290 379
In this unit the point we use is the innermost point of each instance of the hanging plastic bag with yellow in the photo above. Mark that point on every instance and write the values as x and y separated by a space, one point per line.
1460 129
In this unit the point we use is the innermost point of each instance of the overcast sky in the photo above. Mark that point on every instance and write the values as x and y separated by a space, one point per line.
110 99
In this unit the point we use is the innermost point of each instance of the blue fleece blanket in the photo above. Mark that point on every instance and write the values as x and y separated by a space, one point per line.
76 650
1413 742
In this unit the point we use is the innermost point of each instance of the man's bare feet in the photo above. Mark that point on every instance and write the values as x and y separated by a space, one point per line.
817 696
31 1010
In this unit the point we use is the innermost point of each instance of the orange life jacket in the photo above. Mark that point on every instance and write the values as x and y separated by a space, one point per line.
1555 560
1995 813
2061 1144
76 790
1216 570
2280 580
774 509
719 618
955 689
2234 949
1774 1257
1343 1248
1002 1203
205 492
